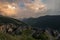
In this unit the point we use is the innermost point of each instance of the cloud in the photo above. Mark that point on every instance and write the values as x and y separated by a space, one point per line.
7 9
22 8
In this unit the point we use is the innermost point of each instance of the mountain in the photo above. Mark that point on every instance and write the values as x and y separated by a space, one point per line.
48 21
13 29
11 25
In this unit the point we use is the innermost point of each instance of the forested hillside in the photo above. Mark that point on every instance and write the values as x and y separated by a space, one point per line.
47 21
13 29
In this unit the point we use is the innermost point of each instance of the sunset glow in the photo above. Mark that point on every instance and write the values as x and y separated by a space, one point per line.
11 7
8 9
22 8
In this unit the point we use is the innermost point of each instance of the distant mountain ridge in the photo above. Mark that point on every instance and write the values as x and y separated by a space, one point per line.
48 21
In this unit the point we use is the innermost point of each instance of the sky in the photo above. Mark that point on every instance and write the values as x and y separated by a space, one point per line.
29 8
53 7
